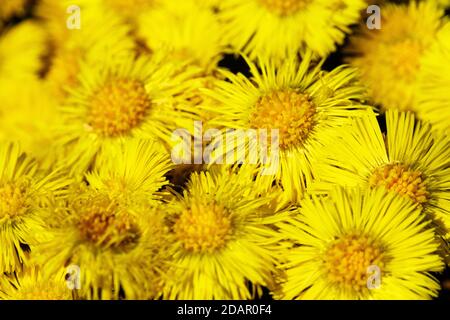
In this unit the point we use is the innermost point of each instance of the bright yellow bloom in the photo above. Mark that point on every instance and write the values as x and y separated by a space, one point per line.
131 168
433 96
191 31
21 50
32 285
29 114
130 97
359 245
224 238
102 36
24 196
412 161
274 28
304 103
120 249
390 58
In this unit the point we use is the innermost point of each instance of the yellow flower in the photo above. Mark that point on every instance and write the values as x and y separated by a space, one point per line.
102 36
359 245
304 103
131 168
191 31
24 195
29 114
274 28
433 96
32 285
390 58
130 97
224 239
120 249
413 162
21 49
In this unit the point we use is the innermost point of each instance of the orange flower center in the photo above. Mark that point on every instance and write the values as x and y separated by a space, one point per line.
13 200
399 178
290 112
348 258
118 107
203 228
405 58
103 224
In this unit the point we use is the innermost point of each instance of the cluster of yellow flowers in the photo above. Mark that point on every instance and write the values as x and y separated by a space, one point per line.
95 203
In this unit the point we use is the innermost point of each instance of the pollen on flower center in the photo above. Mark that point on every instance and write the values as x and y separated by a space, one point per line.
203 228
285 7
399 178
102 224
13 200
347 260
290 112
405 58
118 107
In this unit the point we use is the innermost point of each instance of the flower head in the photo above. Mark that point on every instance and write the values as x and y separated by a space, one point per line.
433 97
296 98
359 245
21 50
125 98
121 249
223 238
390 58
276 28
31 284
188 29
25 195
412 162
131 169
